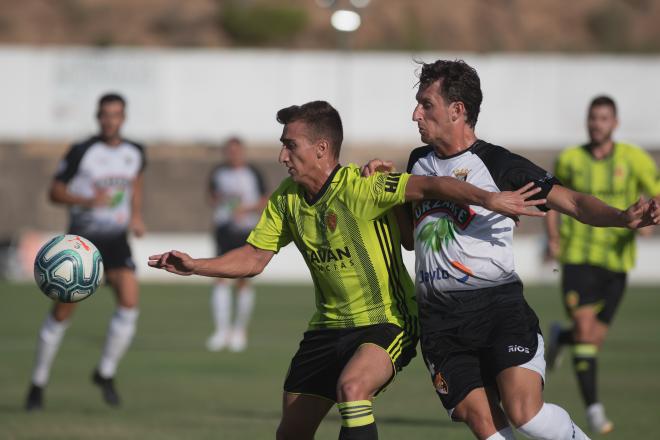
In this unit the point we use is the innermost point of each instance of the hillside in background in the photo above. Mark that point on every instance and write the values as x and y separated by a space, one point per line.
468 25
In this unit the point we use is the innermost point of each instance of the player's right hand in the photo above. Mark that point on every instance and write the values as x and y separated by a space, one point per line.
516 203
175 262
377 165
642 213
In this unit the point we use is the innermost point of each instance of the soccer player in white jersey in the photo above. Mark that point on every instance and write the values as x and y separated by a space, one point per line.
238 194
100 180
480 339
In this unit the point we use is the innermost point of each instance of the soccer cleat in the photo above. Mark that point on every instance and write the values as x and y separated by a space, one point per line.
35 398
238 341
217 341
553 351
598 421
107 386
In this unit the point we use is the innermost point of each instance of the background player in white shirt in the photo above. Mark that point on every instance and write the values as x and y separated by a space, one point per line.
100 180
238 194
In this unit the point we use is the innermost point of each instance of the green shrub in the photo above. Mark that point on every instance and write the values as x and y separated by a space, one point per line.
261 24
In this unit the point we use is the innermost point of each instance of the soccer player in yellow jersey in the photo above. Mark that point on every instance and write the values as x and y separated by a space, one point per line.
595 260
365 327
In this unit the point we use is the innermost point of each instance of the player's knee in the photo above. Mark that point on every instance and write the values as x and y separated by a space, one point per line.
128 303
478 421
459 414
352 389
127 296
63 311
520 412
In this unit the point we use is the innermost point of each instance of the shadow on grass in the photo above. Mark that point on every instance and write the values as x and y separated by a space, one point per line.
384 420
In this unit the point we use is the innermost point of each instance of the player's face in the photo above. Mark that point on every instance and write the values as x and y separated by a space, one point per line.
432 115
234 154
299 154
111 118
601 123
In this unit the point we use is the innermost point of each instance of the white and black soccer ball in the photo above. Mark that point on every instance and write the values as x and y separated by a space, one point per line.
68 268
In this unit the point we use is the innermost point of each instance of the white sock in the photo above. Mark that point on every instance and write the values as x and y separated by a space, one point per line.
552 422
221 307
48 342
503 434
244 307
119 337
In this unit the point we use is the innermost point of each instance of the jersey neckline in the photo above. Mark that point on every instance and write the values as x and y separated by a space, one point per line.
323 189
587 149
451 156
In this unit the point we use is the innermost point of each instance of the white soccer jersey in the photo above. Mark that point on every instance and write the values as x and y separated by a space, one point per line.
94 166
236 186
460 247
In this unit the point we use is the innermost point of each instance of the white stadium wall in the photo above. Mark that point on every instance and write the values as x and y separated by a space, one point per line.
189 96
531 101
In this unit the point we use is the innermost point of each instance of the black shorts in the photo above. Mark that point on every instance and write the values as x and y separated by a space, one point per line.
323 354
586 285
114 249
228 237
468 337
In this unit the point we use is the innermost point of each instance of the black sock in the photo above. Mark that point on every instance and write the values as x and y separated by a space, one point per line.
585 365
365 432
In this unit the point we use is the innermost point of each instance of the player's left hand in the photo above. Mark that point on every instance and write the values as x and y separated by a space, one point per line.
642 213
137 226
377 166
516 203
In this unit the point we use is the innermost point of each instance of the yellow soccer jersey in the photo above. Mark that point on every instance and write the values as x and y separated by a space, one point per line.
618 180
351 244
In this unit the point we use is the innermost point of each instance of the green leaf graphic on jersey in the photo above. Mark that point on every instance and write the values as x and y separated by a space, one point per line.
435 234
117 198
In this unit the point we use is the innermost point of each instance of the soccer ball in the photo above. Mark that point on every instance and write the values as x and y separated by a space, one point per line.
68 268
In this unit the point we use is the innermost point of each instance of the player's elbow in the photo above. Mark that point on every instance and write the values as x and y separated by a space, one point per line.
416 188
259 259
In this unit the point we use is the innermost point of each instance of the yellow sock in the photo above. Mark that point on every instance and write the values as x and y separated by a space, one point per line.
356 413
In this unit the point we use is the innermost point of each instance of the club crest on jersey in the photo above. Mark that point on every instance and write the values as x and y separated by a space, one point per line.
461 174
440 383
331 221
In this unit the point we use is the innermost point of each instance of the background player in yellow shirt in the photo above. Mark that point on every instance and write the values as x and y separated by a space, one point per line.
365 326
595 261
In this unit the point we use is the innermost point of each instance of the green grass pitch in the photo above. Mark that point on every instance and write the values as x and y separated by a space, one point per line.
173 389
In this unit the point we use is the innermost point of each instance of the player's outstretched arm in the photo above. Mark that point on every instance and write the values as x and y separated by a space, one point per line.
242 262
509 203
593 211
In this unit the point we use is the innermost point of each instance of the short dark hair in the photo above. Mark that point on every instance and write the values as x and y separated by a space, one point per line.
321 118
232 140
603 100
111 97
460 82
